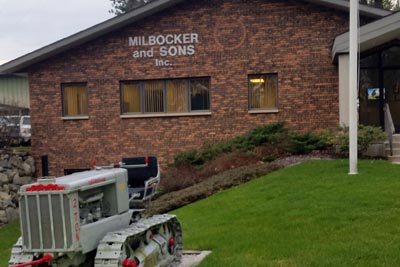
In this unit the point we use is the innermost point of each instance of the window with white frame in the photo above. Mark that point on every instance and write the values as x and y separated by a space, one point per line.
165 96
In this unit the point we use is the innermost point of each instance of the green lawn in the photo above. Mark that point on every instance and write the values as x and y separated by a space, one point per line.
312 214
8 236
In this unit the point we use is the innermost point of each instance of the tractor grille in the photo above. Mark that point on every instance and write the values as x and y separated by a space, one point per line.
46 222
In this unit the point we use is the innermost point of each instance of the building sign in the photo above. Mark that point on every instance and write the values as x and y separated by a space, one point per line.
158 47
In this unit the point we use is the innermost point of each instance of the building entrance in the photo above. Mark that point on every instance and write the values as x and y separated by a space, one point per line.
380 85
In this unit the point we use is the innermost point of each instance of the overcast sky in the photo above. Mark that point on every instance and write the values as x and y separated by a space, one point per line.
26 25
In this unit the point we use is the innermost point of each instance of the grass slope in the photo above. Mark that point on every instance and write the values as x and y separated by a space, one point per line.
312 214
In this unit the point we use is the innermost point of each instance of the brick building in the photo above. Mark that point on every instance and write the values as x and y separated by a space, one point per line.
174 74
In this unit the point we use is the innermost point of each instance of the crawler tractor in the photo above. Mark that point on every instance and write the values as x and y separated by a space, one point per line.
94 218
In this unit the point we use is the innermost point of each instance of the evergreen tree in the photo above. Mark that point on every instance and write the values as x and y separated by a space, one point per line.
384 4
120 7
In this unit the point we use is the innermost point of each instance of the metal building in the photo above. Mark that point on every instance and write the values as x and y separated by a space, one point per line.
14 94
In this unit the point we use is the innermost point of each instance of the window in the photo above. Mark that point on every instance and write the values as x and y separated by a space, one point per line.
199 94
130 92
165 96
75 101
263 91
153 96
177 96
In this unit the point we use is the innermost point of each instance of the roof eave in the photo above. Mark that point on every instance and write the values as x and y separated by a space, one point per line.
371 35
364 10
86 35
91 33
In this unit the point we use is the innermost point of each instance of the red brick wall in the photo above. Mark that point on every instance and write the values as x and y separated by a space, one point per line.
236 38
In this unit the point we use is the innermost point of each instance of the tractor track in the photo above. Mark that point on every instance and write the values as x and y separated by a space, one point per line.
110 251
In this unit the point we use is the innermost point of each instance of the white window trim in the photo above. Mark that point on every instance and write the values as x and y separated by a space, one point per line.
260 111
161 115
69 118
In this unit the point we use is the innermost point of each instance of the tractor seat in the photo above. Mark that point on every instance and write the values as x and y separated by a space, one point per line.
143 176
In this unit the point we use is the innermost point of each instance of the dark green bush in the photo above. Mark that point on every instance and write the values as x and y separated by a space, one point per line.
185 157
273 135
269 158
267 134
305 143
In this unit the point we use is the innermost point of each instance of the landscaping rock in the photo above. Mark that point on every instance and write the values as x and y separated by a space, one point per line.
12 214
6 188
31 162
15 161
27 169
12 173
4 178
14 187
3 216
16 169
4 163
5 204
22 180
4 196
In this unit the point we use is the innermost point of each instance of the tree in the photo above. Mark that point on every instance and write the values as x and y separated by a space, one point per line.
120 7
385 4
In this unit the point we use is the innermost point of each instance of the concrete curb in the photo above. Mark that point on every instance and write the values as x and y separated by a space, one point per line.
192 258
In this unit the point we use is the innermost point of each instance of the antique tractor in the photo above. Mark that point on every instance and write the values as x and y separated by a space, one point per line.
93 218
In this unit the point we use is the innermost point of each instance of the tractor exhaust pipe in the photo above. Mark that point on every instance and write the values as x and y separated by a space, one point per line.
45 165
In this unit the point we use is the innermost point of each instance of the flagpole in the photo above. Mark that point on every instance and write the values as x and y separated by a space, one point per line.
353 87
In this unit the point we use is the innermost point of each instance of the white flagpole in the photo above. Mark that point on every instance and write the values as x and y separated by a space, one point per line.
353 87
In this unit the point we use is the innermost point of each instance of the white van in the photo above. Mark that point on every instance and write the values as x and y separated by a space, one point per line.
25 129
17 129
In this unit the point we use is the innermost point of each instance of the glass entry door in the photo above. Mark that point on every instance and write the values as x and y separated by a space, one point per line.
369 98
380 84
391 81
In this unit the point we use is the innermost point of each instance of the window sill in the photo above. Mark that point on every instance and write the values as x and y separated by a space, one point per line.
75 118
160 115
259 111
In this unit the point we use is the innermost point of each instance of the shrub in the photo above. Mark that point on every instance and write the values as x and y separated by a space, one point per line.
271 141
185 157
305 143
367 135
268 134
328 137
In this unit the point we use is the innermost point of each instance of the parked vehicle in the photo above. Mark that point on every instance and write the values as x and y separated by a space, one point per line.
95 218
25 129
15 130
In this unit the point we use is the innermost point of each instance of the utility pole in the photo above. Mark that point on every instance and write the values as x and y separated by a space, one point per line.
353 87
